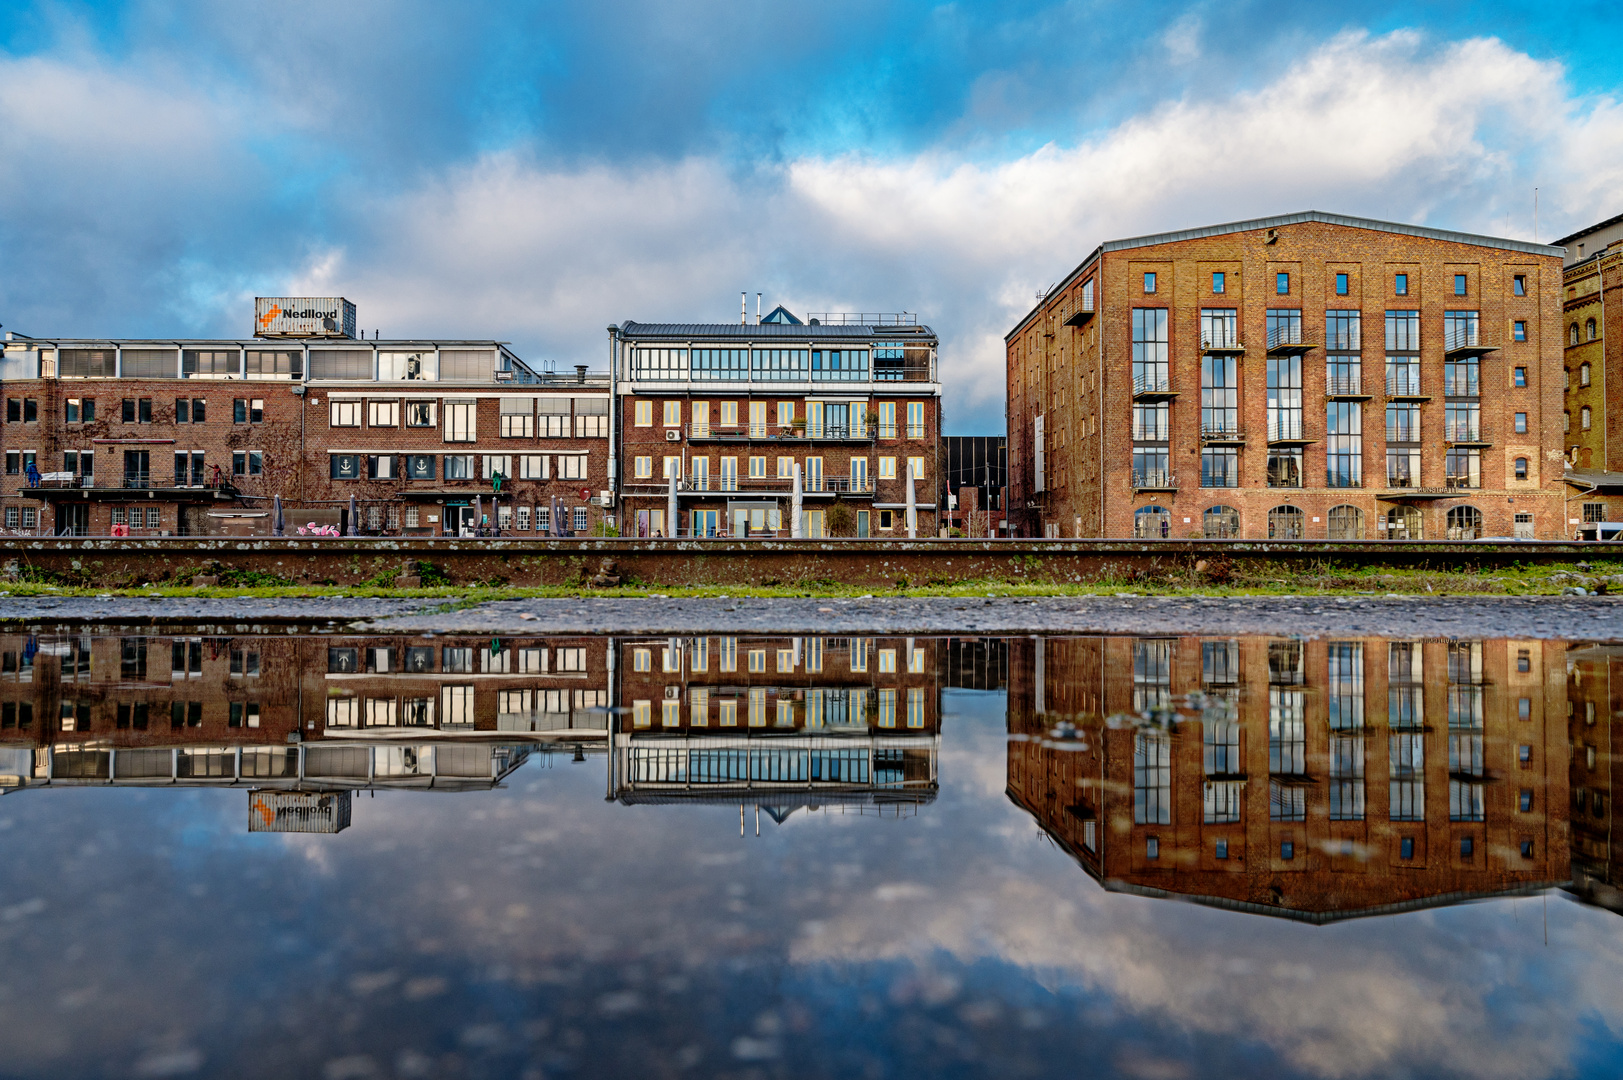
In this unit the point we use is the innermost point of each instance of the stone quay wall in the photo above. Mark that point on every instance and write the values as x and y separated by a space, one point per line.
884 564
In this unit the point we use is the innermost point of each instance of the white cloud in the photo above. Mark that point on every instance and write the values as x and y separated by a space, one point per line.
1386 126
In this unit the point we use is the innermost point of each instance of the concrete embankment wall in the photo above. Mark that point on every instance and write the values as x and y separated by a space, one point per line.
350 561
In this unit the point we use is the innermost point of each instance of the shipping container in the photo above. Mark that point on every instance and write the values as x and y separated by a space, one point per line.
304 317
298 811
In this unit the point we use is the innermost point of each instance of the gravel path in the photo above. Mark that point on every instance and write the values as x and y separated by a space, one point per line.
1526 617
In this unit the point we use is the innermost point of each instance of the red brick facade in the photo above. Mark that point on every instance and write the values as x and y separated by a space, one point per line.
1492 456
412 453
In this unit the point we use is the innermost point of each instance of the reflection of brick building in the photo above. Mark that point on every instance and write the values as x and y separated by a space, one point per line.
1307 376
1595 689
186 437
777 721
731 410
1319 780
294 710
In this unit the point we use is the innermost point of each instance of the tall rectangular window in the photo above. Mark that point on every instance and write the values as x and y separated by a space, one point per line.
1151 446
460 421
1344 444
1282 284
1220 466
1284 327
1152 778
1400 285
1219 395
1219 281
1284 398
1341 284
1219 328
1459 284
1403 354
1150 373
1461 330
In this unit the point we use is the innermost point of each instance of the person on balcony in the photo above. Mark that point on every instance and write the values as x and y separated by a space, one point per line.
33 475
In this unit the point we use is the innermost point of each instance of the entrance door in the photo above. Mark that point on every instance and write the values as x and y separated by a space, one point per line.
72 519
1524 526
706 522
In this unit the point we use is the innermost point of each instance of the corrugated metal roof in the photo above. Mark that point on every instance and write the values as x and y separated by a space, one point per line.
1289 219
767 331
1598 479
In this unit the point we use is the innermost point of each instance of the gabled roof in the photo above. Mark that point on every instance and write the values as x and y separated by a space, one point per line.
1289 219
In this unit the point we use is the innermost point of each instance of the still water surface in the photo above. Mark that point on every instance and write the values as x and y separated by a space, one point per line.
353 857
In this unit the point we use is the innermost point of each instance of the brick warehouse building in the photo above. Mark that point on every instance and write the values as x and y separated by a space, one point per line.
1592 306
731 409
1306 376
193 437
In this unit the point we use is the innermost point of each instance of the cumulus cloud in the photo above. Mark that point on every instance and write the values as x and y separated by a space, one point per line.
1389 126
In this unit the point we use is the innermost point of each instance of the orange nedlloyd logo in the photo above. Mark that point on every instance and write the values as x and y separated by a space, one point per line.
275 310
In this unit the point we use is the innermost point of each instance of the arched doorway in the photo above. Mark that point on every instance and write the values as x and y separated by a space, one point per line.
1464 523
1152 523
1220 523
1346 523
1285 523
1403 523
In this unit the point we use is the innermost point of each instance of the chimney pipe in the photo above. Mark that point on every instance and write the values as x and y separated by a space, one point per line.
757 309
743 308
580 373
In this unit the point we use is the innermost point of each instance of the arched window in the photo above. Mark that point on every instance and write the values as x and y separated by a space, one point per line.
1583 374
1151 523
1583 417
1346 523
1464 523
1572 334
1220 523
1285 523
1521 468
1403 523
1589 330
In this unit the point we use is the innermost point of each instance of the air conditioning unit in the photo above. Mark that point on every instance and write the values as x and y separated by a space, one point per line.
673 435
605 498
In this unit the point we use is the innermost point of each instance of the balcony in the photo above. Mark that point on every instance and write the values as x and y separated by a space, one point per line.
1345 388
1221 344
1405 388
1465 341
837 485
1153 387
1287 341
718 433
1287 433
1222 435
1155 481
138 480
1466 435
1402 488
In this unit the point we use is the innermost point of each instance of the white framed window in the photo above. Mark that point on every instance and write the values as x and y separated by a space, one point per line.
580 519
343 712
533 467
498 463
344 414
571 659
383 414
571 466
421 414
522 521
554 418
456 707
460 423
517 418
532 660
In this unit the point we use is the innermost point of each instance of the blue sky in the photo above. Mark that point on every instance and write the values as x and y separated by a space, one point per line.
536 171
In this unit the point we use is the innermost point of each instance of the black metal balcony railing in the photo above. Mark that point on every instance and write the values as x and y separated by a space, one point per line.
1154 481
1405 385
1344 386
1464 433
1285 429
1219 433
840 485
1221 342
1289 334
138 480
1155 383
702 432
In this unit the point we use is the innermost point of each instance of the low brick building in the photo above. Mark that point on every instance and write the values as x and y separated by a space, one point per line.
1309 376
732 411
1315 780
196 437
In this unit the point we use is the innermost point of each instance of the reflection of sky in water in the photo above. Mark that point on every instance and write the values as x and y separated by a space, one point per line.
540 930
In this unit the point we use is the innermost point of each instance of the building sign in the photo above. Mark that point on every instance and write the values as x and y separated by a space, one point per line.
304 317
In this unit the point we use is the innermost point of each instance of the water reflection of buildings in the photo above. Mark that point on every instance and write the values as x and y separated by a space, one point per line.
1595 693
293 713
779 723
1315 780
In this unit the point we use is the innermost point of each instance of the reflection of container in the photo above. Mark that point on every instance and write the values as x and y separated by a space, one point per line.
298 811
304 317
